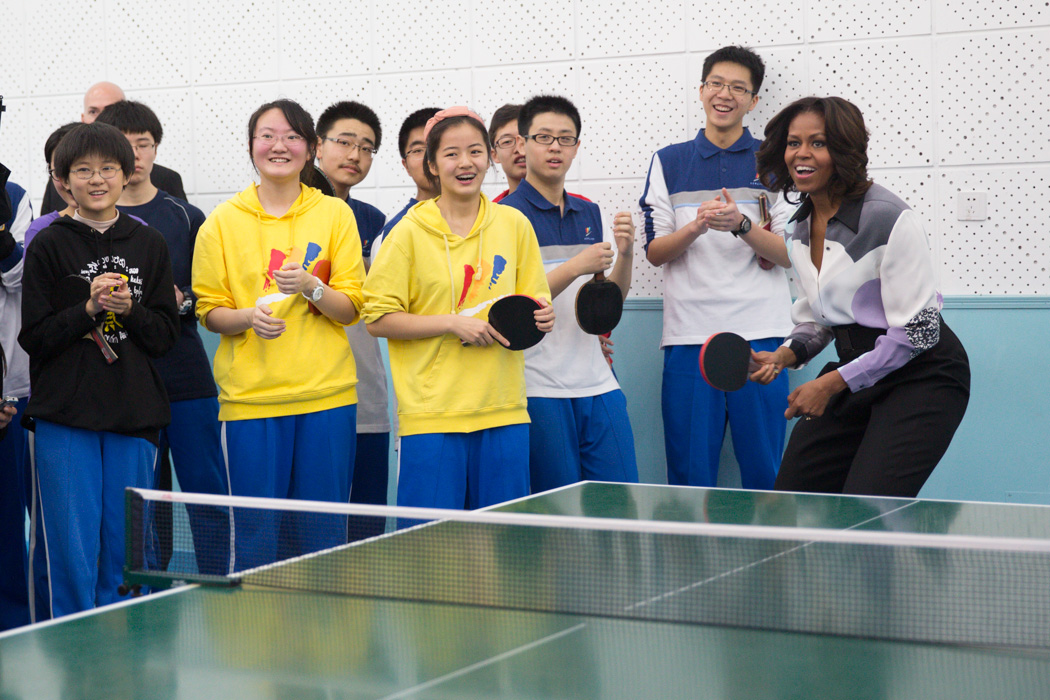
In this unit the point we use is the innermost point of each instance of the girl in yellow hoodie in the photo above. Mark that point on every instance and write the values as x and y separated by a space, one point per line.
277 270
461 393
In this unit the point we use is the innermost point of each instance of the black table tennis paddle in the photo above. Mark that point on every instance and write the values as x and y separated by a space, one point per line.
74 290
513 318
725 361
599 305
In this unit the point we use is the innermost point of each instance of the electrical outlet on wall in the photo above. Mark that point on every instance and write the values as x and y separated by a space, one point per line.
972 206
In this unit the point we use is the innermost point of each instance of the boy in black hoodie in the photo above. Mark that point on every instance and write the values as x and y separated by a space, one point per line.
97 423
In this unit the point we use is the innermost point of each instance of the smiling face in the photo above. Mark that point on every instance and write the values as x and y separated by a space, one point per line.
279 153
96 197
551 163
461 160
509 151
806 154
345 163
726 111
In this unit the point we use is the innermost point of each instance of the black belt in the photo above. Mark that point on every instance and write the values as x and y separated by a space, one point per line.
854 340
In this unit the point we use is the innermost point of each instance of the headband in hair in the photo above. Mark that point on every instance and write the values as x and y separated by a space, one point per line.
459 111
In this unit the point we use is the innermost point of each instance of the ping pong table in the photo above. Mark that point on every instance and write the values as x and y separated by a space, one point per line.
252 641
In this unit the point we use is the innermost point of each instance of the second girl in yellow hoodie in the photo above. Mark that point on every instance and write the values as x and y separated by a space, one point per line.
461 393
277 271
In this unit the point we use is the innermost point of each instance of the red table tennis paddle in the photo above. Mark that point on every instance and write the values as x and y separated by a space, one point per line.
599 305
725 361
71 291
513 318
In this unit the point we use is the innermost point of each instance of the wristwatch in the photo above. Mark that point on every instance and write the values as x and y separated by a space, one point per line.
745 227
316 294
186 306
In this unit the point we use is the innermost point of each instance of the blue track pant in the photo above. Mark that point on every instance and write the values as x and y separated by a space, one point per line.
695 418
300 457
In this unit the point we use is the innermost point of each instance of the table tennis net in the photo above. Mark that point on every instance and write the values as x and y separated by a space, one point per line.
896 586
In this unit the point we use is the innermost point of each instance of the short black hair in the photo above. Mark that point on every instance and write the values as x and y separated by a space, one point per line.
349 109
132 118
541 104
300 121
55 138
741 56
501 117
95 139
434 140
416 120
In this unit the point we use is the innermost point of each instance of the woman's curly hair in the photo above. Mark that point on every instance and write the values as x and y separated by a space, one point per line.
847 142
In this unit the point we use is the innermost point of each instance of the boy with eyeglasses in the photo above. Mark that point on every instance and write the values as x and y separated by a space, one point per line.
97 423
507 149
579 426
193 435
98 97
412 147
714 282
348 137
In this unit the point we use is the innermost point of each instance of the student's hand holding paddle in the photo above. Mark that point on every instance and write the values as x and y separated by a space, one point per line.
593 259
474 331
264 323
544 316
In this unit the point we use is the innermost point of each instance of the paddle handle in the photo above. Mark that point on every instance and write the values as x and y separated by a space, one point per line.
599 277
104 346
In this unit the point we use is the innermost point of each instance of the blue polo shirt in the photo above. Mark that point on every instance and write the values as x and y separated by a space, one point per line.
579 226
185 369
369 223
568 363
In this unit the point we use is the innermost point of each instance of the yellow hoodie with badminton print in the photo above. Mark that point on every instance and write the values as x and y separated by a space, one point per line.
425 269
309 367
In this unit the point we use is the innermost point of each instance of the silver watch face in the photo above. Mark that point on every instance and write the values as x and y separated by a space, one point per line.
316 294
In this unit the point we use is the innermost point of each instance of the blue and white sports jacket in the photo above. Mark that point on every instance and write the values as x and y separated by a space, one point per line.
716 284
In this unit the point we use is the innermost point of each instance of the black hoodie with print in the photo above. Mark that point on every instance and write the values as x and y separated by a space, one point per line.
71 383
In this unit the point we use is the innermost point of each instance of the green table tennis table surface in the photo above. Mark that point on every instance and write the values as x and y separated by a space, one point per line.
249 642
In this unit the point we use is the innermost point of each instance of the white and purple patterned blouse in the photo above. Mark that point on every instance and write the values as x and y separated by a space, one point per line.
876 271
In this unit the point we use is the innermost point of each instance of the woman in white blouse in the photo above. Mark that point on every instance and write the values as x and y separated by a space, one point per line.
877 421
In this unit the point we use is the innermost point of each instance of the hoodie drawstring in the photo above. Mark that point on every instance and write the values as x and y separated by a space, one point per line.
451 276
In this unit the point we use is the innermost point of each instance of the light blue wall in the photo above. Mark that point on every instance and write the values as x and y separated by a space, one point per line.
1000 451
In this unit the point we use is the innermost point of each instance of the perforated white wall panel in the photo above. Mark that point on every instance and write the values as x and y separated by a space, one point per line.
1008 253
160 31
961 15
614 197
754 22
889 81
953 91
502 26
855 20
994 97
